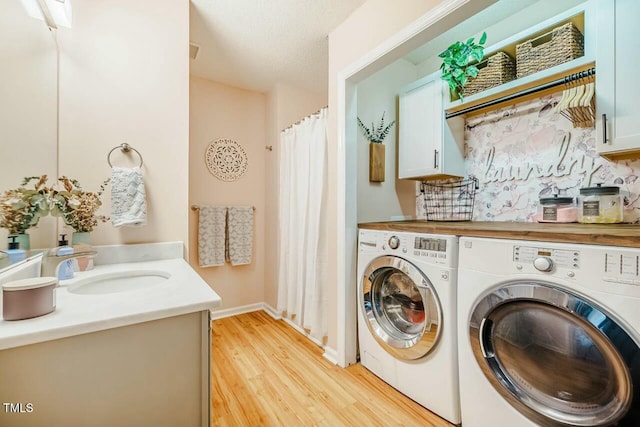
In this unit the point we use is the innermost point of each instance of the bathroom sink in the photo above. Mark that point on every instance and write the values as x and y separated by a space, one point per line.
119 281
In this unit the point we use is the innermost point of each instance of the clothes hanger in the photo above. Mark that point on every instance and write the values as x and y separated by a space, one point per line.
565 92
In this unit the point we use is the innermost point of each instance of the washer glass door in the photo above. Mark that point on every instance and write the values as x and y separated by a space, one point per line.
553 355
400 306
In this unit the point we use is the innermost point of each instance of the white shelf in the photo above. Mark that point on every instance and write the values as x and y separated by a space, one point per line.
582 16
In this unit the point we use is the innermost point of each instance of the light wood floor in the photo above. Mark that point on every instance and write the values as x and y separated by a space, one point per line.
265 373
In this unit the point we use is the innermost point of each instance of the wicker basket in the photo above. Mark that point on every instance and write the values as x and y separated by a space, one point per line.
493 71
562 44
449 200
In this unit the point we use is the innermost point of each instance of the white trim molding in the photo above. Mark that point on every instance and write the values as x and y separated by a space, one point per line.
234 311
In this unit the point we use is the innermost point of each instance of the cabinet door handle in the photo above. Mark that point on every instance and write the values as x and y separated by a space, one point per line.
604 128
435 159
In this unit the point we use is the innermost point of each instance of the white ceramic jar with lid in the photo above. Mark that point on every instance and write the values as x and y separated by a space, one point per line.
557 209
600 205
27 298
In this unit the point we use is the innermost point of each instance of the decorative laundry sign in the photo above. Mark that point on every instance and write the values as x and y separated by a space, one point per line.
226 159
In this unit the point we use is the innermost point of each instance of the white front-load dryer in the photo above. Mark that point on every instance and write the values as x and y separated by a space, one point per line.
548 334
407 315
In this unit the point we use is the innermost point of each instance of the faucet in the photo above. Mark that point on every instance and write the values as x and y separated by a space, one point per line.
51 260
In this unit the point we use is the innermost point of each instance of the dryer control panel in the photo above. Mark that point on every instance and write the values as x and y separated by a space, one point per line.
545 259
622 267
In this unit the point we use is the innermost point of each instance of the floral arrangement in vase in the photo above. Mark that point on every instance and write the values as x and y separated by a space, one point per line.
21 208
77 207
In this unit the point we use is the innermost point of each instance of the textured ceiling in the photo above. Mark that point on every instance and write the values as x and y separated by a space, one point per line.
254 44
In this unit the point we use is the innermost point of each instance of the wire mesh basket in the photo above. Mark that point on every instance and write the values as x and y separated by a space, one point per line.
449 200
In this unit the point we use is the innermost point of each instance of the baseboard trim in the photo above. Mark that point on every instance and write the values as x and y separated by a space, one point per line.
271 311
330 354
229 312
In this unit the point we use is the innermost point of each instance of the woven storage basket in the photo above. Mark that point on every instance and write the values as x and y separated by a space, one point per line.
562 44
494 71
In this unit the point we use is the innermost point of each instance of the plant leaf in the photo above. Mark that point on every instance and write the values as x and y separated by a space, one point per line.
483 38
472 71
478 54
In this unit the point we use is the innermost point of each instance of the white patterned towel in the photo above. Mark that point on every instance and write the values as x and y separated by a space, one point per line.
211 235
240 235
128 198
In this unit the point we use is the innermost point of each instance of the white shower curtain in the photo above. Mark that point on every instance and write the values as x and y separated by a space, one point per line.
302 231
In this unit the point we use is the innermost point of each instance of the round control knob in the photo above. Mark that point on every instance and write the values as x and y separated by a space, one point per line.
394 242
543 263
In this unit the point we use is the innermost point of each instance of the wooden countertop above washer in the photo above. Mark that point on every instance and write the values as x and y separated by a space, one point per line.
627 235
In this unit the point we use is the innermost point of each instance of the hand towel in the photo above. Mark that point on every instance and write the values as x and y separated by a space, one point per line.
128 198
240 235
211 235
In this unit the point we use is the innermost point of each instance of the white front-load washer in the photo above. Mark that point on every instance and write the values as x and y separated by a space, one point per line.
548 334
407 315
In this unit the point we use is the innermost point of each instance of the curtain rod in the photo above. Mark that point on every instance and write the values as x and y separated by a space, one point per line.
557 82
306 117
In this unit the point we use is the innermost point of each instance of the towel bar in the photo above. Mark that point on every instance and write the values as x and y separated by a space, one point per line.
125 148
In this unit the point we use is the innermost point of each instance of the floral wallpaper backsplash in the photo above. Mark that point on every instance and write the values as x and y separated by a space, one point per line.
526 151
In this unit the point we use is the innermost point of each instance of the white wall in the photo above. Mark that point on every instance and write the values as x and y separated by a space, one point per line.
380 201
221 111
124 77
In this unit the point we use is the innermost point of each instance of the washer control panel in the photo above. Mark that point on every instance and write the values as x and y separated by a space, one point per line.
432 247
545 259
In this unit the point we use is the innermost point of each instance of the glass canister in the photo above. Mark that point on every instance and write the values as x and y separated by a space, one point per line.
559 209
600 205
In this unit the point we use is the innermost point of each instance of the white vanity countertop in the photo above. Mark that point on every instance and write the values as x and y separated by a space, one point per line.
182 293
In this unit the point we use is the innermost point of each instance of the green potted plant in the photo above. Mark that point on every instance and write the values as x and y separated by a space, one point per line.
376 135
458 63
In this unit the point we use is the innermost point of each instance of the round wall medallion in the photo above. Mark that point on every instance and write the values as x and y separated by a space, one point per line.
226 159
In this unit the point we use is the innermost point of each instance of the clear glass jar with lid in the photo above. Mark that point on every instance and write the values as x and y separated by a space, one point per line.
600 205
558 209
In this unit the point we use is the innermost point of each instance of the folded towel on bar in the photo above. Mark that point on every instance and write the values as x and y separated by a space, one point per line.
211 235
128 197
240 235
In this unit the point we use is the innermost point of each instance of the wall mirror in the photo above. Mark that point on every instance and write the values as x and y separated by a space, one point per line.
28 110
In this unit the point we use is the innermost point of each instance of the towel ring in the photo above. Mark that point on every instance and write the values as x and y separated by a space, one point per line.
125 149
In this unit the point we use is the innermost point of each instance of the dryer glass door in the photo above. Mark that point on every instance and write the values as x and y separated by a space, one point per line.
555 356
401 307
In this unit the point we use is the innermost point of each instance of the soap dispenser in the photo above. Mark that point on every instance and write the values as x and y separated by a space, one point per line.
14 252
65 271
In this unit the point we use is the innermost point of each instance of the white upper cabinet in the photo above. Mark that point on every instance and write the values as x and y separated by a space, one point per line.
617 87
428 147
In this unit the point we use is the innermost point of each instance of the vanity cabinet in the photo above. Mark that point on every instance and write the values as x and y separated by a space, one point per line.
617 106
154 373
429 146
